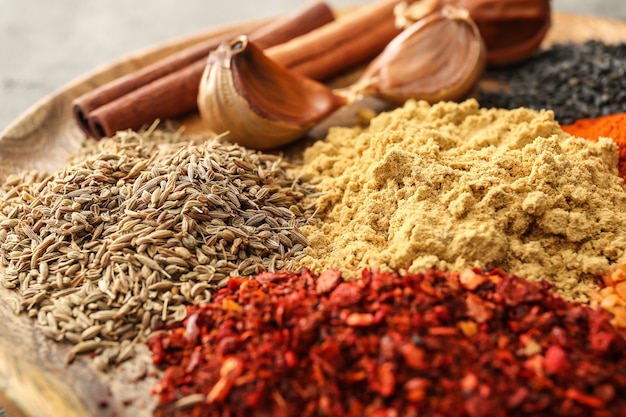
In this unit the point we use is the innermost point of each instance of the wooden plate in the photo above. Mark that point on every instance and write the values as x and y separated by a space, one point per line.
33 378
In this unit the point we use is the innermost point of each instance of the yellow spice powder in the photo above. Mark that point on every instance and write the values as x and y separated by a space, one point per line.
453 185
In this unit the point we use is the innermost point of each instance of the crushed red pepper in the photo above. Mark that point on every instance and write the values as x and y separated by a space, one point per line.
435 343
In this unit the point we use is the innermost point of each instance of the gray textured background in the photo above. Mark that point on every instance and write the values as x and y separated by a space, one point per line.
46 44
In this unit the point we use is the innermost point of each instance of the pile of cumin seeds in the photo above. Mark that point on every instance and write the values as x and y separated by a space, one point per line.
119 242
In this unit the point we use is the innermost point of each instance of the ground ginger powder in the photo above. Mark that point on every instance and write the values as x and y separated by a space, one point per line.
453 185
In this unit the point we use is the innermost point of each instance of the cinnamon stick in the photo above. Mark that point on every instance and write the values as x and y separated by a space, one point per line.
173 95
342 44
107 109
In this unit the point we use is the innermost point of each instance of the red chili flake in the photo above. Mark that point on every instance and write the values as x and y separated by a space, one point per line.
517 398
390 344
587 400
346 294
327 281
360 319
555 359
385 379
413 356
469 382
234 283
477 308
230 370
416 389
471 279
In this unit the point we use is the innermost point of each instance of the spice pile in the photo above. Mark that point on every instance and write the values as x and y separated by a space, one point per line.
433 343
108 249
575 81
452 186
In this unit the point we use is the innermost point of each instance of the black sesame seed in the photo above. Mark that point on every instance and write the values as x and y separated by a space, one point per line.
574 80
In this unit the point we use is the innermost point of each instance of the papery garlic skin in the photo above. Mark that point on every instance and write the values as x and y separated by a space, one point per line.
257 103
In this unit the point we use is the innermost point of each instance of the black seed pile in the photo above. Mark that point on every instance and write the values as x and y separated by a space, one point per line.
575 81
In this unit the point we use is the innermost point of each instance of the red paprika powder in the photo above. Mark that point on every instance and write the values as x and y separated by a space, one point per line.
612 126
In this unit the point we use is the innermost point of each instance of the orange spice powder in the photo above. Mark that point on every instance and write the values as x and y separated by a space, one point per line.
612 126
613 296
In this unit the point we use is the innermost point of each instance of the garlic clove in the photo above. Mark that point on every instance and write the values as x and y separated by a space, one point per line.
439 57
511 29
256 102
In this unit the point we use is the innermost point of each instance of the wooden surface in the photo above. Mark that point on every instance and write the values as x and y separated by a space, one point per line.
33 378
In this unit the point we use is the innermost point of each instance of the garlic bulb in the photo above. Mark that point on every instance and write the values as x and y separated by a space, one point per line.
439 57
256 102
